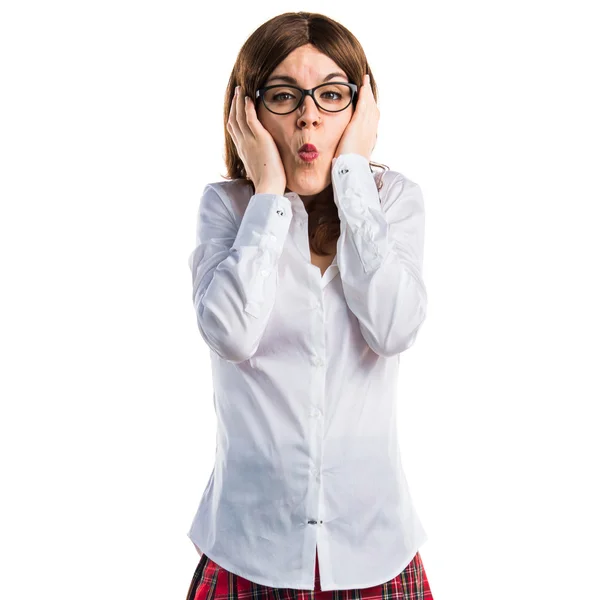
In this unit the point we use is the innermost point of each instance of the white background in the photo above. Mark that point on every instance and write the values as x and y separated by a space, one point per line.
111 125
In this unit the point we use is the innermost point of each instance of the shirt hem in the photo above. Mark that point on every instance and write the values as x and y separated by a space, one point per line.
297 586
361 586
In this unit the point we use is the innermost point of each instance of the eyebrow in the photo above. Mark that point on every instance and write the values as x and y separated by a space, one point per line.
292 80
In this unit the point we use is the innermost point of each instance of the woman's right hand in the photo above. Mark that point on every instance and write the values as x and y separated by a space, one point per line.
256 147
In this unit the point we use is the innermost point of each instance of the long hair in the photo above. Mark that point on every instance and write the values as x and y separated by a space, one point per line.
266 47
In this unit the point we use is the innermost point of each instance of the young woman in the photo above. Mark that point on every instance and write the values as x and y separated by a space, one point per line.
307 287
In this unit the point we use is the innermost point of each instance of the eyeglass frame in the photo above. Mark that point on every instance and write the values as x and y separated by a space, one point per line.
260 93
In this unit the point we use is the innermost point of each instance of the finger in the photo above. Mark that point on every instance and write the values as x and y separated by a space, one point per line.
241 115
252 118
361 94
366 89
232 124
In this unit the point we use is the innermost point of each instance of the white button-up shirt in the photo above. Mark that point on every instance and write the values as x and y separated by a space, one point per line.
305 374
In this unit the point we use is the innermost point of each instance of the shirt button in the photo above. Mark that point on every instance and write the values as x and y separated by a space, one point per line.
264 272
317 361
315 304
315 412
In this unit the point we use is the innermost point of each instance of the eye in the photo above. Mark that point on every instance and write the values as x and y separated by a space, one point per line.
278 96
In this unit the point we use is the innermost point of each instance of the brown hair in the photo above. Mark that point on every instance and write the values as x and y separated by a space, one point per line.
266 47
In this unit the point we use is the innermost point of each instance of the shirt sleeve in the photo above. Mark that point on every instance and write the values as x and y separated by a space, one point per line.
234 270
380 254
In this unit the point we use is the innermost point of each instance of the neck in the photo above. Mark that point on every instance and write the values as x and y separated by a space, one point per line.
321 197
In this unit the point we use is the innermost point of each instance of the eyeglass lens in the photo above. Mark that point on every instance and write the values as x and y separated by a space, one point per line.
331 97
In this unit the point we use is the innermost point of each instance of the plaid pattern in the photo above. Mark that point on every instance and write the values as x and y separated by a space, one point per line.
212 582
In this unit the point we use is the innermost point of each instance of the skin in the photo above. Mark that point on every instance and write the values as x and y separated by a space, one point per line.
308 124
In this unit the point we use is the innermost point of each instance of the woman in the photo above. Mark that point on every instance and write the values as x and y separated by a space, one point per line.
307 286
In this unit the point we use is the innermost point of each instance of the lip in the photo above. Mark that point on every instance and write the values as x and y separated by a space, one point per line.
308 148
308 156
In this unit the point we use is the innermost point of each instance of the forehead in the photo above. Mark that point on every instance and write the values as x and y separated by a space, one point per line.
307 64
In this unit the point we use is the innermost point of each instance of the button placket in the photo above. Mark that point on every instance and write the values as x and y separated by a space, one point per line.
315 425
316 303
317 361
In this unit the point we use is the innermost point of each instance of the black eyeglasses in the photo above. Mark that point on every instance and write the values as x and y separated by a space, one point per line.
283 99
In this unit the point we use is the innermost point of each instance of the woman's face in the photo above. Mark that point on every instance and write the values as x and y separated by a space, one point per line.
308 123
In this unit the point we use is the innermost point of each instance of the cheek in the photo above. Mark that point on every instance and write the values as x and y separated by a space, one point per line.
267 121
342 125
270 125
264 117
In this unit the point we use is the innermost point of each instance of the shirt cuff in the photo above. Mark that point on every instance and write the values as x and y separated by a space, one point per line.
259 243
265 223
357 198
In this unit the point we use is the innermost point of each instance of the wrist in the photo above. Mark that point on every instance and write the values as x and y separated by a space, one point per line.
268 190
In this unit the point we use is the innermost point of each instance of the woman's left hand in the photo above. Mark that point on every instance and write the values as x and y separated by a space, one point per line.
360 134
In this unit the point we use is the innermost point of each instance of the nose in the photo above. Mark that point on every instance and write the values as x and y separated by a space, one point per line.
310 110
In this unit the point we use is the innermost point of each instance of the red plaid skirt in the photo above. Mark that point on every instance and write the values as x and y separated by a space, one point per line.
212 582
